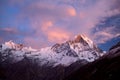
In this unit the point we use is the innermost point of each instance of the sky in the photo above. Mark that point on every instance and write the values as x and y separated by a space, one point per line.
41 23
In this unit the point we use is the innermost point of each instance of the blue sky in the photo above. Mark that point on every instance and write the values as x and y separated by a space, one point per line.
41 23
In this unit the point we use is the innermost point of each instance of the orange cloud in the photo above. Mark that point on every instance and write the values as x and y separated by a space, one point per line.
58 35
53 33
71 11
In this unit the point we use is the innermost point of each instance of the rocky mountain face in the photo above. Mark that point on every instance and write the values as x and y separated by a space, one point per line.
105 68
57 62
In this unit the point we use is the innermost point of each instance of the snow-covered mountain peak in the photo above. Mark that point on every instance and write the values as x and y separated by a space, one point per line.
81 38
11 45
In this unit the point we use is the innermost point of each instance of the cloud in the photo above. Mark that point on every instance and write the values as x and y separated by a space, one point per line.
105 35
65 19
47 10
55 33
58 35
46 25
12 33
94 15
44 17
71 11
8 34
55 21
8 30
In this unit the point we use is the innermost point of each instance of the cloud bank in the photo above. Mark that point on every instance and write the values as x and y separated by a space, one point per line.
54 21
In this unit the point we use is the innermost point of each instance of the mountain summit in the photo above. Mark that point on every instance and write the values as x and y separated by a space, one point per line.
83 39
83 43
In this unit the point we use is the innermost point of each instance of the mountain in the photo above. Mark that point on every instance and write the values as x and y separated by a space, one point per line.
18 62
81 48
105 68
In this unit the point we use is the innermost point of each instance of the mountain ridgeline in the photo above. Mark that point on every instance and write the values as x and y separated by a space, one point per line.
78 59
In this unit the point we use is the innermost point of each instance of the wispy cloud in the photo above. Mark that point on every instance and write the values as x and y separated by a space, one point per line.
8 30
7 33
105 35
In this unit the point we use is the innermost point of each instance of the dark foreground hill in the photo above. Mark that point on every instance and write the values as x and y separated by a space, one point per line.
105 68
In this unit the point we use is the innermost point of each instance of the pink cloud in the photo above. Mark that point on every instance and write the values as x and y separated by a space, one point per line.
71 11
46 25
53 33
58 35
9 30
